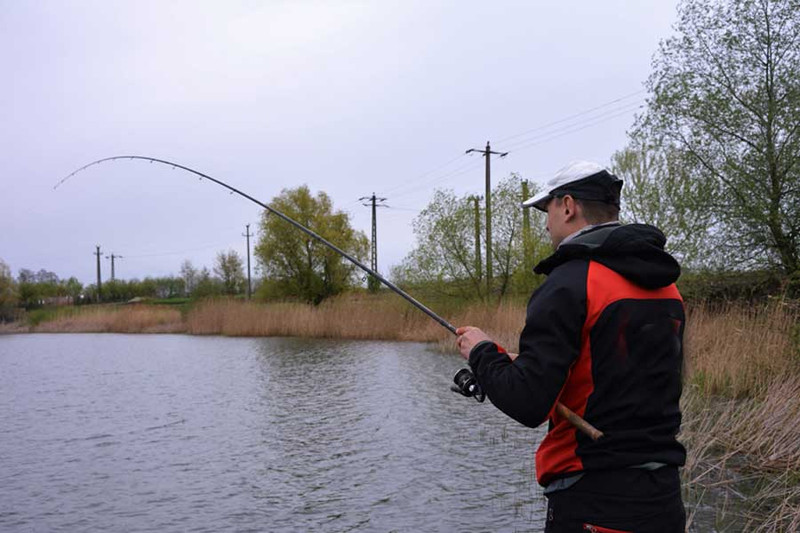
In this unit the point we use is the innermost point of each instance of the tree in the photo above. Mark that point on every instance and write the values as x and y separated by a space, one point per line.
297 266
228 268
660 190
72 288
446 256
190 276
8 293
207 286
725 94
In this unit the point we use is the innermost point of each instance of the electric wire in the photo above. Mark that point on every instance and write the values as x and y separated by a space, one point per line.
575 115
538 141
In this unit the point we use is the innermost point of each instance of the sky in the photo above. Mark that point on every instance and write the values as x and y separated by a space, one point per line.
346 97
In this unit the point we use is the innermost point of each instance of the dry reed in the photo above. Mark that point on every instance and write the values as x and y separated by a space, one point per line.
129 319
741 410
739 350
362 317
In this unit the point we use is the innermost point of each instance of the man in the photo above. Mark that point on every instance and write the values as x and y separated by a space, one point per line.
604 337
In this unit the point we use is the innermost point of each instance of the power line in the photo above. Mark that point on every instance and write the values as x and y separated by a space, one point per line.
539 141
580 113
160 254
472 165
425 174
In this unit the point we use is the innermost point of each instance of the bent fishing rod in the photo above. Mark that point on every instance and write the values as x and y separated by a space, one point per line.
573 418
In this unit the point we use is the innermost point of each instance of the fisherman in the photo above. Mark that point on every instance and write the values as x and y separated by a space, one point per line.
603 336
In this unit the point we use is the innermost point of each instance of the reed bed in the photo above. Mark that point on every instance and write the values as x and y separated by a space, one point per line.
353 317
739 350
741 406
362 317
123 319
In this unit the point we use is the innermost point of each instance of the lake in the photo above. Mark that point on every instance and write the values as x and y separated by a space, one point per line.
182 433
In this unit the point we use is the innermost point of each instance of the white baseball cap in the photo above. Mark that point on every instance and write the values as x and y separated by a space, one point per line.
583 180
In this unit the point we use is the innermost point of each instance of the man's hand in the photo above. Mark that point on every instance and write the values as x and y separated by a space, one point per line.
468 337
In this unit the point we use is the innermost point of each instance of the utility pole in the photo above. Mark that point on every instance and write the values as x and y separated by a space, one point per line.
249 287
526 231
373 283
478 261
99 282
112 257
487 153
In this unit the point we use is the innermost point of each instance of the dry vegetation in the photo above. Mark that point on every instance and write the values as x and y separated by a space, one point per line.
122 319
741 398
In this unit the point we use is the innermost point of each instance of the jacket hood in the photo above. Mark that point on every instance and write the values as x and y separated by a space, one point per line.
635 251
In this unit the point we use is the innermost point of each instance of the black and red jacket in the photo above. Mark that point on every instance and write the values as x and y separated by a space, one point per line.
604 336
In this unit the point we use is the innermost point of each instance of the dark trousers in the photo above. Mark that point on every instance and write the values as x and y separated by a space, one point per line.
627 500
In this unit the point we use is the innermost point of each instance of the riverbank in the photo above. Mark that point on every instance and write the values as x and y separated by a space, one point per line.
741 399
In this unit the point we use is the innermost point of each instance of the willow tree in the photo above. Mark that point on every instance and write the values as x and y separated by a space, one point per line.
725 93
295 265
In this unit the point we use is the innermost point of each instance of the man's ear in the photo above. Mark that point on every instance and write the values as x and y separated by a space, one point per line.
569 208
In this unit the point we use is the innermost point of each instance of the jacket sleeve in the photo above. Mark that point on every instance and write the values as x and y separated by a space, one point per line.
527 388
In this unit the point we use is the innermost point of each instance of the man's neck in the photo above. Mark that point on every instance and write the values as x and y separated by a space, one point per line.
587 228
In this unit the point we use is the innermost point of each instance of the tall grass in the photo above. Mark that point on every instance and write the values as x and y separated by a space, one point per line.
112 319
740 349
741 408
350 317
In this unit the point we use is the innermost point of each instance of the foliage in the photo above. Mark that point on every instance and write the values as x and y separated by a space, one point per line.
660 190
190 276
8 293
295 265
449 251
725 95
228 268
715 288
119 290
206 286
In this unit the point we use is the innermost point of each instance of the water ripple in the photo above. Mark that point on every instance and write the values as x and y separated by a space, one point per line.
178 433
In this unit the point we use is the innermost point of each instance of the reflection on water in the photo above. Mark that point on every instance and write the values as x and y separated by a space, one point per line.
179 433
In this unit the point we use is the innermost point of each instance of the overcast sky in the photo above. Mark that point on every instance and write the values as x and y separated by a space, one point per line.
346 97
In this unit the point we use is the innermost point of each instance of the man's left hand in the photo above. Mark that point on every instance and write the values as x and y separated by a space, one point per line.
468 338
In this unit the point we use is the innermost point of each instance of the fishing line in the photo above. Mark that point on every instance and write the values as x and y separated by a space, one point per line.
573 418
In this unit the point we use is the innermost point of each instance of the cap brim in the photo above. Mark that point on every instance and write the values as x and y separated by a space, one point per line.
539 201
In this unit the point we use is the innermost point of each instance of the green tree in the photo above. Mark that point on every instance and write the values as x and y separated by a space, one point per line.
295 265
228 268
660 190
8 293
35 288
207 286
72 288
446 257
725 94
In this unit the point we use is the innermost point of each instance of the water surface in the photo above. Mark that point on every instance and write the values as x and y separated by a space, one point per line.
181 433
